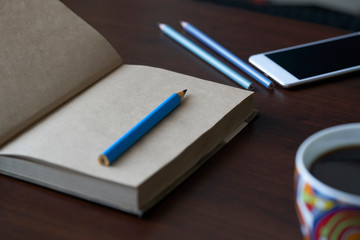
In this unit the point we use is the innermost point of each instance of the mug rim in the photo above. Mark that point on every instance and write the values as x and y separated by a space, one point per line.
347 197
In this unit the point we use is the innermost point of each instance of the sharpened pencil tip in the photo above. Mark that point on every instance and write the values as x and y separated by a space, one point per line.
271 85
251 87
182 94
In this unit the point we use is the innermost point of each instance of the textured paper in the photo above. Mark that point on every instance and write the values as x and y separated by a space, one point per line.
48 55
77 133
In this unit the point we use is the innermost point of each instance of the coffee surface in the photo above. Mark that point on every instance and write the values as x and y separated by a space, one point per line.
339 169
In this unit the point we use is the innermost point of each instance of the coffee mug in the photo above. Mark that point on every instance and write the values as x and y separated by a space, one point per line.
325 211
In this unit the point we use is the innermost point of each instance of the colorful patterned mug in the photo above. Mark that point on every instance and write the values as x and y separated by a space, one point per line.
323 211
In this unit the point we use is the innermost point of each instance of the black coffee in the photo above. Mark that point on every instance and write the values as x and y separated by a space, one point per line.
339 169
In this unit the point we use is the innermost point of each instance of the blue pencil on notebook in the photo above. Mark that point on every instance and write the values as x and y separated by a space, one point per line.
140 129
227 54
205 56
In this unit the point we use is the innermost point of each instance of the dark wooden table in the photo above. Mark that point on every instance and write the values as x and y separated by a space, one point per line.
246 190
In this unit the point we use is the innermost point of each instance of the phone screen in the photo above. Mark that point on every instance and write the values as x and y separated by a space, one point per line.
321 58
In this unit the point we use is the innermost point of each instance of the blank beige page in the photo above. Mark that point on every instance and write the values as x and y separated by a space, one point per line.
48 54
77 133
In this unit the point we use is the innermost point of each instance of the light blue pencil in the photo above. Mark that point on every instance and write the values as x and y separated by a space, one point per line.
227 54
140 129
205 56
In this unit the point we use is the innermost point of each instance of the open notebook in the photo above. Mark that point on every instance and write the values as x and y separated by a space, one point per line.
65 96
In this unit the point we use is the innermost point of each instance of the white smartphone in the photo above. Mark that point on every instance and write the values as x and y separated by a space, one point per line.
312 61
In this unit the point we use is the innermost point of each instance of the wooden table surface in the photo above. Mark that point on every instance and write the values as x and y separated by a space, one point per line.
245 191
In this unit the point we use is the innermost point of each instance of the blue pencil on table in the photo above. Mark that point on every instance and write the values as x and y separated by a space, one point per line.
205 56
227 54
140 129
